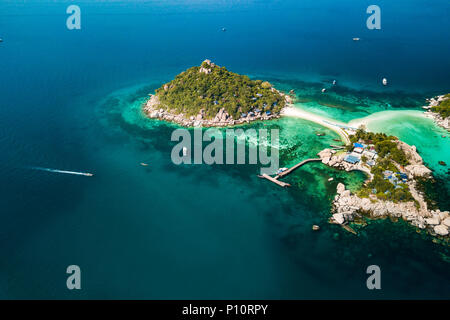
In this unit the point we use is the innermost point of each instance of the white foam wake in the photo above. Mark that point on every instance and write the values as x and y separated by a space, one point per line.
63 171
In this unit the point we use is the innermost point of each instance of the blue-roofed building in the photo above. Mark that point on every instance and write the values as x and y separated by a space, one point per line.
403 175
257 111
351 159
387 174
393 180
268 113
358 145
243 115
259 94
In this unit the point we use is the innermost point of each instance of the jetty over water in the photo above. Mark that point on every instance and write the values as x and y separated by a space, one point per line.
275 180
286 172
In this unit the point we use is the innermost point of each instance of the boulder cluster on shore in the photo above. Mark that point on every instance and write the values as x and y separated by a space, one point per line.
155 110
348 207
437 118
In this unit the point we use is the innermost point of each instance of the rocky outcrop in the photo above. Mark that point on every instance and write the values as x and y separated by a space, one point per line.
410 152
441 230
416 168
330 158
437 118
207 66
154 109
347 207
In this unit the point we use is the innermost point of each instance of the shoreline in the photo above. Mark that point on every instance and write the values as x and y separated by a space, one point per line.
336 126
435 116
343 129
153 109
348 207
212 96
381 115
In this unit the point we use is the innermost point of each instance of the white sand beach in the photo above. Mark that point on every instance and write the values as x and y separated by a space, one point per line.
323 121
384 115
341 127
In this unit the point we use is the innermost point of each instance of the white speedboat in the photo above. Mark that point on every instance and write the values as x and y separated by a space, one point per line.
385 82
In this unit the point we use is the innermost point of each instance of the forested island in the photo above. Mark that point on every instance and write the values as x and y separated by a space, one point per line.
395 170
210 95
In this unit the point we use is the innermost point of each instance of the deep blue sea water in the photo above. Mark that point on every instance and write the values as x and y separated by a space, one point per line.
70 100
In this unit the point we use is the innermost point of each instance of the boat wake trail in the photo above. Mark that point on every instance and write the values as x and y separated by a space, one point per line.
87 174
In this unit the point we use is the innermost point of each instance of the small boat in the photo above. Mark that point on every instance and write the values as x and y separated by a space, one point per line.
281 170
1 40
320 134
331 179
334 82
385 82
315 227
356 39
224 29
144 164
338 140
442 163
323 90
88 174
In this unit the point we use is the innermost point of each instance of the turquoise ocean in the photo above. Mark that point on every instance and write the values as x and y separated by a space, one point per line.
71 100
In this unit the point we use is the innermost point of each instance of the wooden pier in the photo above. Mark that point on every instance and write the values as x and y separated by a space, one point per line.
285 173
298 165
274 180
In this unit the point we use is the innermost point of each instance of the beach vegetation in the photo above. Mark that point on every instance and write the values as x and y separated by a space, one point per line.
390 157
443 108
